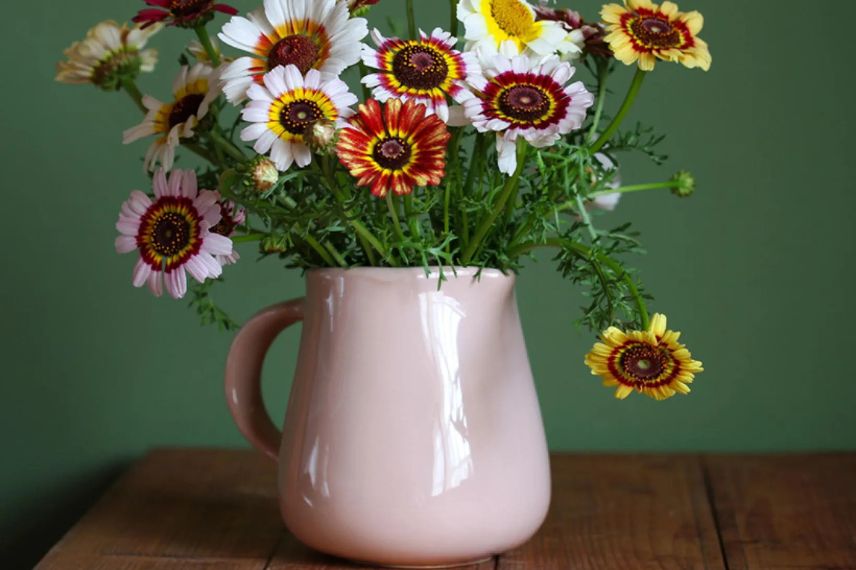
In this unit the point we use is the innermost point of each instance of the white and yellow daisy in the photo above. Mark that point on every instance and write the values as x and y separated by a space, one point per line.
490 23
287 106
309 35
108 54
194 90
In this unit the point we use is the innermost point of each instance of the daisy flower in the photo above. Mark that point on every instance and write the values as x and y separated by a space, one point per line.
286 106
395 148
650 362
585 38
194 90
310 35
490 23
426 70
172 234
231 216
181 13
520 97
108 54
643 32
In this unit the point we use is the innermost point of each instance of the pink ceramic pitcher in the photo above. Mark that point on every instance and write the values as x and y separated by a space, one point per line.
413 435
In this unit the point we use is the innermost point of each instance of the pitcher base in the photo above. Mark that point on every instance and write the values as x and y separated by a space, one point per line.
427 566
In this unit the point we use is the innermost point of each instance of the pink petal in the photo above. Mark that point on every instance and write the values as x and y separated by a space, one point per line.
159 183
125 244
155 283
142 270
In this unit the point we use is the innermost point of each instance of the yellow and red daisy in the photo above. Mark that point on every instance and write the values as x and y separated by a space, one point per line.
181 13
309 35
426 70
650 362
641 31
395 148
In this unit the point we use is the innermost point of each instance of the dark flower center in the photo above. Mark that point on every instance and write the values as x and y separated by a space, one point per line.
420 67
297 116
525 103
296 50
644 362
185 108
184 8
655 33
170 234
393 153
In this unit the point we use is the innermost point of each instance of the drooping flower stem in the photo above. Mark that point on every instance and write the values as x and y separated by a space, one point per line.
510 187
583 213
411 20
667 185
629 99
602 76
205 40
586 252
133 91
453 24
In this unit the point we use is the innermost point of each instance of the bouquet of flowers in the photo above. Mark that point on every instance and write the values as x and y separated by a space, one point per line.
472 146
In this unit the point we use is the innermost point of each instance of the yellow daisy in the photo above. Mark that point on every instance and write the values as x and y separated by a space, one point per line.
641 31
491 23
650 362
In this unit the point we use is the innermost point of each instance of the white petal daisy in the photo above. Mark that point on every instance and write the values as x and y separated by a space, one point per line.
521 96
194 89
316 34
172 234
490 23
288 104
108 53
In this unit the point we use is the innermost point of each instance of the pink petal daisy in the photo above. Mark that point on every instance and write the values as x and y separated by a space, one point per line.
231 216
426 70
518 96
172 234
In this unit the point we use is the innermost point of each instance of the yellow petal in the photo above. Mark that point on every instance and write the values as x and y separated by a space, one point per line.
647 61
658 324
669 8
623 391
694 21
611 13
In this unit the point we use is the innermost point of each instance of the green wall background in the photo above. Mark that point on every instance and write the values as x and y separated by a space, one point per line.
756 269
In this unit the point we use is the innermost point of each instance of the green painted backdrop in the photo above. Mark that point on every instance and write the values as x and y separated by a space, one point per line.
756 269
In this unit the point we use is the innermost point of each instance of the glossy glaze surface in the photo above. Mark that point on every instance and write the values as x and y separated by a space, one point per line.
413 434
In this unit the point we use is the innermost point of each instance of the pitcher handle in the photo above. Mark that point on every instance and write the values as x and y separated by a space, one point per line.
244 373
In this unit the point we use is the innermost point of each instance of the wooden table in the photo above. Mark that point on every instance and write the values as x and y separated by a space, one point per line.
215 509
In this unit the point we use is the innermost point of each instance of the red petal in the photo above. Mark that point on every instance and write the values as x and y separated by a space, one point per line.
225 9
161 3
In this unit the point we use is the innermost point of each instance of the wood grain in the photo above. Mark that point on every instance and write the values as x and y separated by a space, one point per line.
639 512
794 511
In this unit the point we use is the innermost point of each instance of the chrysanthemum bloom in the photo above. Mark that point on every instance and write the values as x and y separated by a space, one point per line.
427 70
181 13
108 54
310 35
231 216
490 23
643 32
194 90
287 106
395 148
172 234
584 37
523 97
650 362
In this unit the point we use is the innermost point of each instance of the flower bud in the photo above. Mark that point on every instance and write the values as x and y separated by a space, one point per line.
271 245
684 184
263 174
321 137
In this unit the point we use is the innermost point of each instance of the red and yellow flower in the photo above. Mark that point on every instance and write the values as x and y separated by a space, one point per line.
650 362
641 31
181 13
395 148
428 70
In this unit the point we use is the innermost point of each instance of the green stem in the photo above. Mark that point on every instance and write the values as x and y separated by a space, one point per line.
393 213
587 252
670 184
319 249
227 146
248 238
205 40
411 216
336 255
453 25
510 187
602 76
411 20
201 152
133 91
583 213
632 92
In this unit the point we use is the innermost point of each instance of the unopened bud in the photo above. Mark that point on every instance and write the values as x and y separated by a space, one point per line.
263 174
684 184
271 245
321 137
